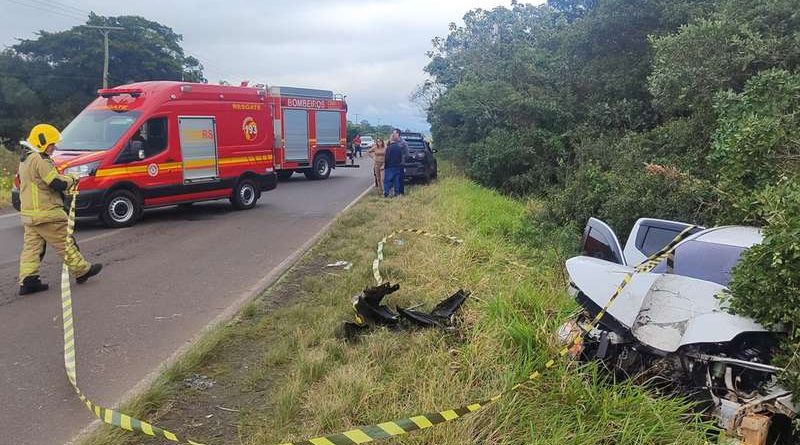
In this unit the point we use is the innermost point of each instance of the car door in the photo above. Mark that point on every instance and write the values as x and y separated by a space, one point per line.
600 241
650 235
147 156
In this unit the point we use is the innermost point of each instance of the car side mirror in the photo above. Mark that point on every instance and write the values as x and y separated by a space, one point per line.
433 150
133 151
136 150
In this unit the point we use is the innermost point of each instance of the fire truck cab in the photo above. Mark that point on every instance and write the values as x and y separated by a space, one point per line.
310 131
153 144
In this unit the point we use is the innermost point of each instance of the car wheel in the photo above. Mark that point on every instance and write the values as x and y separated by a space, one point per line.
435 173
122 209
426 178
320 168
245 195
284 175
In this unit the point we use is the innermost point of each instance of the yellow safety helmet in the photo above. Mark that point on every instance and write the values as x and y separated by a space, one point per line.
42 136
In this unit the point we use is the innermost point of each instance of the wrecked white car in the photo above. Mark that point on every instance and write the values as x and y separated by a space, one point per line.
668 326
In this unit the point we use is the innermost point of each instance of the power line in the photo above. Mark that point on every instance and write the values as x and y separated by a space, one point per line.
58 7
68 6
40 8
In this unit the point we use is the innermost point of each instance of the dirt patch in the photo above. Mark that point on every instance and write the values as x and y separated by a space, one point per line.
218 402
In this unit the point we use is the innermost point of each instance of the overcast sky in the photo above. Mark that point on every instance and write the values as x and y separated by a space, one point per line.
371 50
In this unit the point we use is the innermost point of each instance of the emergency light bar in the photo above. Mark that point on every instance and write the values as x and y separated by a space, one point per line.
111 92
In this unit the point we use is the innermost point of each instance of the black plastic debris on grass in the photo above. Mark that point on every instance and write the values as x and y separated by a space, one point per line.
370 312
442 314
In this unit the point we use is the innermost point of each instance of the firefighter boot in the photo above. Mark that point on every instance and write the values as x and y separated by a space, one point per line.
94 270
32 284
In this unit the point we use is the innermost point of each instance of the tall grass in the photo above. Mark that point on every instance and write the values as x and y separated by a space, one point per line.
308 382
8 166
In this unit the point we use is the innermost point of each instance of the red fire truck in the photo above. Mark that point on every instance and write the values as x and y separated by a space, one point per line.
154 144
310 131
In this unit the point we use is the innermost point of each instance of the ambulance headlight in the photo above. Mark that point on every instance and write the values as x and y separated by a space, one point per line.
83 170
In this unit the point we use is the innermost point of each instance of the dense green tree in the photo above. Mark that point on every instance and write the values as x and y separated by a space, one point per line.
623 109
52 77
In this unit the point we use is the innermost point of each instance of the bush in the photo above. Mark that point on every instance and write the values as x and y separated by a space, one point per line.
517 162
757 140
8 166
690 66
621 196
766 283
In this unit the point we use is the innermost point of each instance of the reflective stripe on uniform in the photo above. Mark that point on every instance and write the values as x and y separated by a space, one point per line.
27 269
43 213
50 176
34 200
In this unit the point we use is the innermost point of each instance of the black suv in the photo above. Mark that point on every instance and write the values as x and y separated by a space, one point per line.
419 162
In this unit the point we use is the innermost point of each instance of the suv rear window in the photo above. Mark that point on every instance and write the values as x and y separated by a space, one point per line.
415 144
706 261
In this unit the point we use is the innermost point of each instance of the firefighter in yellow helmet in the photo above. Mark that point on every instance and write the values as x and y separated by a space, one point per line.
42 209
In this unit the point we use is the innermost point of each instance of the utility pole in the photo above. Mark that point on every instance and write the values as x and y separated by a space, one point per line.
105 30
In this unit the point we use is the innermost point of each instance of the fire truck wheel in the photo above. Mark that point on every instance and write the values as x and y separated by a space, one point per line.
245 195
321 168
122 209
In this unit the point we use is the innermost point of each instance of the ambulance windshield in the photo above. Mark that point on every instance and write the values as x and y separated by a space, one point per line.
96 130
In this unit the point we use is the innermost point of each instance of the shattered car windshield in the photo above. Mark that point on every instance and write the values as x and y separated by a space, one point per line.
705 261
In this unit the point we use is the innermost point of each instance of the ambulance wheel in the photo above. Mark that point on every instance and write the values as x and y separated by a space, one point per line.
122 209
284 175
321 168
245 195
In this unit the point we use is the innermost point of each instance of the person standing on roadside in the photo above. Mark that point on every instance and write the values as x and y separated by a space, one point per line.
404 147
393 166
42 209
355 148
378 154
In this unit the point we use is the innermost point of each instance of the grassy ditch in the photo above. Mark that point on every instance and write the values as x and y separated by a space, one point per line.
8 165
281 374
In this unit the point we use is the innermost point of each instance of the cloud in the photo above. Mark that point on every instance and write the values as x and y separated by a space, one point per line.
373 51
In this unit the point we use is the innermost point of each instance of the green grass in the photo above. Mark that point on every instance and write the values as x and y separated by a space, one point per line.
282 367
8 166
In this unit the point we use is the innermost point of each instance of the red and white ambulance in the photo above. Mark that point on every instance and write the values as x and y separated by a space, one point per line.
160 143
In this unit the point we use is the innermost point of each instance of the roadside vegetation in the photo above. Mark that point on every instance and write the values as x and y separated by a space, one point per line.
51 78
8 165
282 374
619 110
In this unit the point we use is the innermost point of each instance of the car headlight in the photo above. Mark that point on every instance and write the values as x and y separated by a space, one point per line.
419 155
83 170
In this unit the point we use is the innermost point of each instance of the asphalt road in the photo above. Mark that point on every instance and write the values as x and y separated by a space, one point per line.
164 280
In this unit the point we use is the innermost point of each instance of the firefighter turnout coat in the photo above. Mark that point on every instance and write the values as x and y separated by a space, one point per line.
43 216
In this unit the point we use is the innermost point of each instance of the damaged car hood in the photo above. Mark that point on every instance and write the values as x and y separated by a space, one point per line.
663 311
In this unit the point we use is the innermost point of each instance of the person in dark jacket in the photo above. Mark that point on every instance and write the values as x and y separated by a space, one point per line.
404 146
393 166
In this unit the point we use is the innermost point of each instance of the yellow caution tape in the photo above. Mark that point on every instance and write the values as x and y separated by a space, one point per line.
109 416
358 435
376 271
406 425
